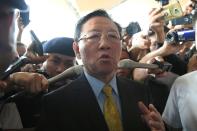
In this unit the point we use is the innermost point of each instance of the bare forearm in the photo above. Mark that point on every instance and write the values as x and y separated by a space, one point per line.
19 36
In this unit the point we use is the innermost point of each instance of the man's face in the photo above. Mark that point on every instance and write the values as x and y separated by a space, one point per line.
7 42
57 63
100 55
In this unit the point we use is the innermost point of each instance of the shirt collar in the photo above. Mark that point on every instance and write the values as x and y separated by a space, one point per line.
98 85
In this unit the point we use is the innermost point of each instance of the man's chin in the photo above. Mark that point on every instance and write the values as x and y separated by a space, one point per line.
105 71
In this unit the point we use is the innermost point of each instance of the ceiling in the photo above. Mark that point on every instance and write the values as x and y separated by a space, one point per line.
86 5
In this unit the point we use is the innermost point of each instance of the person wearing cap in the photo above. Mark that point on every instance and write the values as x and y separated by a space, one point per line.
7 26
61 55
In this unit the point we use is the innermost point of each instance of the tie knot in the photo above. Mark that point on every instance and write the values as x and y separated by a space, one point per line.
107 90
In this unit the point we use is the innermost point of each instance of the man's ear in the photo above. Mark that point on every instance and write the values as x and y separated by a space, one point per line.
76 50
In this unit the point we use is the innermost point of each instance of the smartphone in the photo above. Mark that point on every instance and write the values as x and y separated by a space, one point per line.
172 11
25 17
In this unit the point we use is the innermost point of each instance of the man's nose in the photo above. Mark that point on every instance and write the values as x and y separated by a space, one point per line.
60 68
104 42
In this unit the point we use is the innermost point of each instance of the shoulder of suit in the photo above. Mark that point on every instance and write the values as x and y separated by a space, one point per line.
67 87
129 82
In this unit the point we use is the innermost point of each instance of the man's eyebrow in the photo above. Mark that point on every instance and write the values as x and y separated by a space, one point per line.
98 30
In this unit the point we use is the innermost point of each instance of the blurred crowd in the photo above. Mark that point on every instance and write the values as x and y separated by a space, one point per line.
161 59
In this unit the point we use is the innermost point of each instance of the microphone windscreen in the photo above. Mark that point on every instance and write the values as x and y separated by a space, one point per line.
130 64
68 73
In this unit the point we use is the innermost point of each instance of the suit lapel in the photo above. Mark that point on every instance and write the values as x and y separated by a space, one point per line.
89 107
129 97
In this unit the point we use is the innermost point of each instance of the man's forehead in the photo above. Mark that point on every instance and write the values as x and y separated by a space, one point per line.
99 21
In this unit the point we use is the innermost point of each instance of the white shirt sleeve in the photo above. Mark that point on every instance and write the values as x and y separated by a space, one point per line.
10 118
171 114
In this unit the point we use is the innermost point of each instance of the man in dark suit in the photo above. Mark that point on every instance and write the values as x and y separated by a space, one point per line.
86 104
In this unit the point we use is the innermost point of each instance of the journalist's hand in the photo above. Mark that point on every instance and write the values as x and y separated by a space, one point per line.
32 82
152 117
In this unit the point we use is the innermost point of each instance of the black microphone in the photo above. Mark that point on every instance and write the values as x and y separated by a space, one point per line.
14 67
130 64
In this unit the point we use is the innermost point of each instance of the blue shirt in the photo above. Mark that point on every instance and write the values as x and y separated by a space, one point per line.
97 87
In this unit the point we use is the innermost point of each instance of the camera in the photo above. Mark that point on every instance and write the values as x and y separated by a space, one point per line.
180 36
187 19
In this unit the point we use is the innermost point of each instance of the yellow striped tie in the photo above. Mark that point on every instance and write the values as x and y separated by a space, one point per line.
111 114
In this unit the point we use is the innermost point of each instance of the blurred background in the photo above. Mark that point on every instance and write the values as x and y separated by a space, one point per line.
53 18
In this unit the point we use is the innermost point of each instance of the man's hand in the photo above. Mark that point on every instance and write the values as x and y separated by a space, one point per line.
156 23
156 71
33 56
3 85
152 117
169 48
30 68
32 82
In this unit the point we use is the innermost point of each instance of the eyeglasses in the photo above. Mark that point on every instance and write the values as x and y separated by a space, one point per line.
95 37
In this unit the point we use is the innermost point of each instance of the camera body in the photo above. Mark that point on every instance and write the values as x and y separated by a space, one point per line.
180 36
187 19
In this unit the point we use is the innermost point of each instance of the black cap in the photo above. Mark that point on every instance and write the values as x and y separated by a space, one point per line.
19 4
60 45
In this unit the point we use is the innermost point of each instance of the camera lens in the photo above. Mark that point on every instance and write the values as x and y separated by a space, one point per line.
171 37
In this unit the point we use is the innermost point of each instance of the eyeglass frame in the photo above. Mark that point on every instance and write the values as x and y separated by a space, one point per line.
84 37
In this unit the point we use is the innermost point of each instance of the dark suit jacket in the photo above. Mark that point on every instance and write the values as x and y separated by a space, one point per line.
75 108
